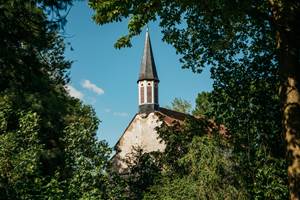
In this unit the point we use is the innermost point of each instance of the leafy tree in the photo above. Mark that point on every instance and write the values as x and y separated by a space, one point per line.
31 87
141 173
180 105
245 100
195 165
86 158
212 174
226 33
203 104
22 155
48 144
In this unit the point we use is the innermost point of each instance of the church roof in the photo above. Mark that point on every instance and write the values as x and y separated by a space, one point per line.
171 115
148 68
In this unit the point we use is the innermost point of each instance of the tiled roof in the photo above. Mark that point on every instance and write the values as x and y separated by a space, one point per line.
171 115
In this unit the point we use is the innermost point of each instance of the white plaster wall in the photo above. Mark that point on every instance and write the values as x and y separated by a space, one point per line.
140 133
149 137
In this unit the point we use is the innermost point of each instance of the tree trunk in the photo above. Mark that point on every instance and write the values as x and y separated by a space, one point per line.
286 22
290 96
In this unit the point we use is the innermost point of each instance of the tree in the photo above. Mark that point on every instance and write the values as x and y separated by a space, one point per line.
203 104
48 144
195 165
246 101
222 33
31 90
212 174
141 173
180 105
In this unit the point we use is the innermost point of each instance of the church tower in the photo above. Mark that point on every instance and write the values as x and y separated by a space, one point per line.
148 80
141 131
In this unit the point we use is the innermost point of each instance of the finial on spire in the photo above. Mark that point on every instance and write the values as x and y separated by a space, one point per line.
147 28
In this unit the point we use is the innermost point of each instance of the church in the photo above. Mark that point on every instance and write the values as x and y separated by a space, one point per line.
141 133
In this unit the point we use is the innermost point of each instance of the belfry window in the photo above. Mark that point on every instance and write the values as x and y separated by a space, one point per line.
149 94
142 94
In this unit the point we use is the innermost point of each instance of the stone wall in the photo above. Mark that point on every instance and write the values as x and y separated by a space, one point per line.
141 134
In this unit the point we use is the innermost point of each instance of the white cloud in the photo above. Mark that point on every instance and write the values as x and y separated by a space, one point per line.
107 110
73 92
121 114
91 86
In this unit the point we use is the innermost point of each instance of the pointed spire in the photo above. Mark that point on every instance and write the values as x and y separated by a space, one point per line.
148 68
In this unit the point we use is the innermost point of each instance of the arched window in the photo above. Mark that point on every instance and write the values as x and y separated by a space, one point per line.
149 93
142 94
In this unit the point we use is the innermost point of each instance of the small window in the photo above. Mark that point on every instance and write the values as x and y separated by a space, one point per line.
149 84
149 94
142 95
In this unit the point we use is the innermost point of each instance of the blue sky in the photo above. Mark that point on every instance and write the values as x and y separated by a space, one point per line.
105 77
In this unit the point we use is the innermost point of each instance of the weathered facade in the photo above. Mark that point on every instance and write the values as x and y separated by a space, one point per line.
141 134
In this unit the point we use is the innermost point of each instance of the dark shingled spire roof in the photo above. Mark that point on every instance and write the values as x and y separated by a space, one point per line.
148 69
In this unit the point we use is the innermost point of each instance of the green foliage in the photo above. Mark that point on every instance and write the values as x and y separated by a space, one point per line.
211 174
203 104
85 157
142 173
20 151
270 178
48 144
194 166
245 100
203 32
180 105
177 138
